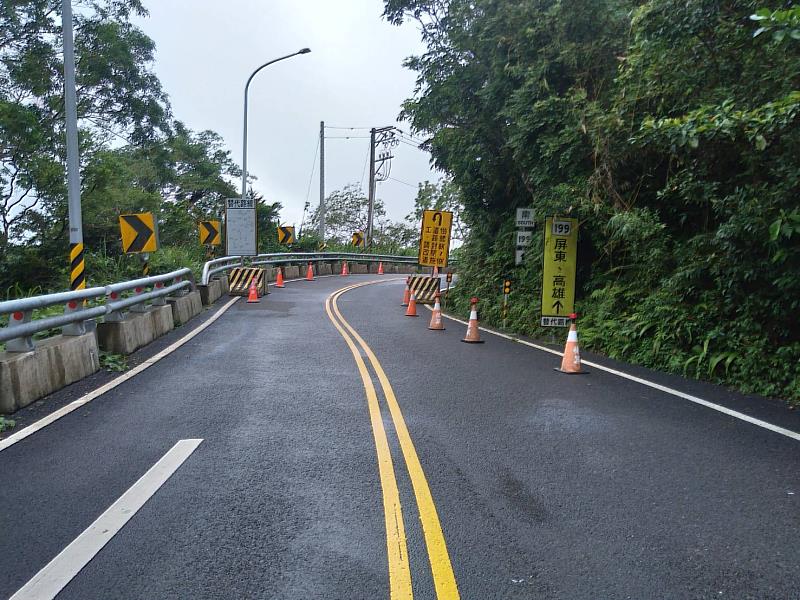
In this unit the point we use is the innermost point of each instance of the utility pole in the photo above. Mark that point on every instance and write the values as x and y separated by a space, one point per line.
77 269
322 182
385 136
371 194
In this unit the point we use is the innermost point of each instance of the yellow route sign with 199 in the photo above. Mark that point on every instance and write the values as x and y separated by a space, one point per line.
434 239
560 261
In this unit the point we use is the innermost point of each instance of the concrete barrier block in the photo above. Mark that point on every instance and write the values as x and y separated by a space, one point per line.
324 269
373 268
210 293
223 282
136 330
336 268
55 363
292 272
185 307
359 269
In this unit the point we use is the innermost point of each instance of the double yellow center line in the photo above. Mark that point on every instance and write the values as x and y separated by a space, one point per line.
399 571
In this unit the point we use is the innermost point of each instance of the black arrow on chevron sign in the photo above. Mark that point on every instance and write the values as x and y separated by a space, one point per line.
286 235
211 232
143 233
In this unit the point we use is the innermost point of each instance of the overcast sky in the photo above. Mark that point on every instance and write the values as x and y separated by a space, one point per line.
353 77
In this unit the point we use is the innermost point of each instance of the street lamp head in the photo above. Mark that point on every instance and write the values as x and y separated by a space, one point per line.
304 51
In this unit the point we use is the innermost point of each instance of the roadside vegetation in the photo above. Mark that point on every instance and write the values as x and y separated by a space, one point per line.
136 156
669 129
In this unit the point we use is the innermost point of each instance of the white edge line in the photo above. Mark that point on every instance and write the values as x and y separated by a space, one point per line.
656 386
75 404
55 576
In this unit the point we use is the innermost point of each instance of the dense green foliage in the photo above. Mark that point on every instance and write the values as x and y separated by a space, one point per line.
669 129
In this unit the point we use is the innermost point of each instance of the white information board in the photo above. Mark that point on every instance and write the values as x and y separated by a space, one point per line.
240 227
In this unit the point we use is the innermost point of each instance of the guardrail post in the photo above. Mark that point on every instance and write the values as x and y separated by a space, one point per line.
20 344
78 327
141 307
161 300
182 291
115 315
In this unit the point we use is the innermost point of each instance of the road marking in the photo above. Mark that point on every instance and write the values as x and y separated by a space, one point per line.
55 576
651 384
399 570
75 404
441 566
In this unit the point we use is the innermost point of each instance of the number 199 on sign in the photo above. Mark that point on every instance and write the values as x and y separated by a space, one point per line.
561 227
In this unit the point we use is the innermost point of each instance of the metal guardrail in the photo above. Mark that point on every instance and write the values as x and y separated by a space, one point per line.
18 334
220 265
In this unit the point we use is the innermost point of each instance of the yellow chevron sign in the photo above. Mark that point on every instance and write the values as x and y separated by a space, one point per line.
358 239
285 235
138 233
210 232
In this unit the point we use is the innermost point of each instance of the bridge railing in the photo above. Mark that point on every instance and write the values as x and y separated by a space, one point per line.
225 263
81 307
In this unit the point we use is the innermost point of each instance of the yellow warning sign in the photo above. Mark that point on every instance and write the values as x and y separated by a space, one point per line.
434 239
285 235
560 260
210 232
358 239
138 233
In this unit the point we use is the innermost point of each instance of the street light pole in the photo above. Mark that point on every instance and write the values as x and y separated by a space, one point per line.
244 136
77 272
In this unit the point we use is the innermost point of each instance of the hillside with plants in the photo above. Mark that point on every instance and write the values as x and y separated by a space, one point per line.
669 129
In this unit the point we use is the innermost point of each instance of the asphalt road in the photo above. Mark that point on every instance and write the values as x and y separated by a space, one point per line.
544 485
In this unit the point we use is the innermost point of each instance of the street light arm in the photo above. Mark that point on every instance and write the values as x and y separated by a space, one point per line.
244 134
266 64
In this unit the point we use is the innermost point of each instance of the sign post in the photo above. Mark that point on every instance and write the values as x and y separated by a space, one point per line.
240 227
434 239
506 292
525 223
558 278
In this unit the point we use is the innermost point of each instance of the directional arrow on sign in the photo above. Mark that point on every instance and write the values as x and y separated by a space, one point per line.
558 306
138 233
209 233
358 239
285 235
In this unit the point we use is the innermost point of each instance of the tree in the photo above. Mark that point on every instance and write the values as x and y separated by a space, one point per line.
118 95
443 195
346 211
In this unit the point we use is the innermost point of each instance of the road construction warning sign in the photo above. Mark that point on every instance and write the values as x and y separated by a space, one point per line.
560 260
138 233
434 239
210 233
285 235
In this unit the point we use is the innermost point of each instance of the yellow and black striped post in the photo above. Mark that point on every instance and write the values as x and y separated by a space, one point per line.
77 267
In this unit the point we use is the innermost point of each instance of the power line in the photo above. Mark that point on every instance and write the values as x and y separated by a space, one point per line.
311 177
350 128
347 137
404 183
364 170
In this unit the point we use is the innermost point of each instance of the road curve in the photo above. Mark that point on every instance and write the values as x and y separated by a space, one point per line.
543 485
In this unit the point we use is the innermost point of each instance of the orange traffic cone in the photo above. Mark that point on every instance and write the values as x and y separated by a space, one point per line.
436 317
411 311
473 334
344 269
252 297
380 268
279 279
571 363
310 273
407 293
